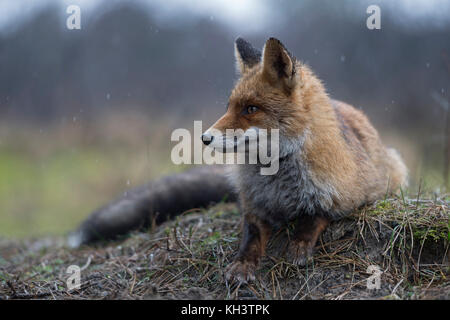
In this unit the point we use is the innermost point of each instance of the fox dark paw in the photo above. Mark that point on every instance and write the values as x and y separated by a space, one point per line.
240 271
300 252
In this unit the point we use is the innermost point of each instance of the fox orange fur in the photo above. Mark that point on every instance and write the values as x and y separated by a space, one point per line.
331 162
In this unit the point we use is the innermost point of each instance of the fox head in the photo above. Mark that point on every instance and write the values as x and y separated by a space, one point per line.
268 95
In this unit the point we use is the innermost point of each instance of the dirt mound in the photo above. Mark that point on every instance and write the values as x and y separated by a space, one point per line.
404 242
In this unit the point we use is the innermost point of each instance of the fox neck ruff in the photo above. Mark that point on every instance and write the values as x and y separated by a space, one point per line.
287 194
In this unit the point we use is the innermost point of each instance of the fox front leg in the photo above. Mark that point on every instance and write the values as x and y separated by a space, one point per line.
307 231
255 235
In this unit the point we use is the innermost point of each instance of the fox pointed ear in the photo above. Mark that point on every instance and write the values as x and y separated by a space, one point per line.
246 55
278 64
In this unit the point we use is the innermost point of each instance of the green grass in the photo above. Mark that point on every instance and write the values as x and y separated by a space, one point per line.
50 183
38 197
51 195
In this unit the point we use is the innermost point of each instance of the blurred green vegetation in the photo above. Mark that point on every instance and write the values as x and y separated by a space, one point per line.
51 178
52 195
50 182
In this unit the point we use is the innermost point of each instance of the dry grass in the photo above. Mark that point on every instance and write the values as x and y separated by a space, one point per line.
184 259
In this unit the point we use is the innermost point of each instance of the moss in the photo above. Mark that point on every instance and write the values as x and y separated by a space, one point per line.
431 234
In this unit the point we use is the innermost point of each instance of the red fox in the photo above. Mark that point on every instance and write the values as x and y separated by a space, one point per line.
331 162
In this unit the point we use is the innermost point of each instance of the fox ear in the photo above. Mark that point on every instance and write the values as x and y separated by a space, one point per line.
246 55
278 64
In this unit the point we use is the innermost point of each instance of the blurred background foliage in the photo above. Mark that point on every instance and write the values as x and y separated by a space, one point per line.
86 114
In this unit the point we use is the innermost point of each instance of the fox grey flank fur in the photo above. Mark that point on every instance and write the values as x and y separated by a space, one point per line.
282 197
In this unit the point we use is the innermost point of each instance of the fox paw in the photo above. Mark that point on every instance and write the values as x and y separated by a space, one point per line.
240 271
300 252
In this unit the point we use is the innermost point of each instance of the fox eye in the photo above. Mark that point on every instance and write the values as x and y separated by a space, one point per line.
250 109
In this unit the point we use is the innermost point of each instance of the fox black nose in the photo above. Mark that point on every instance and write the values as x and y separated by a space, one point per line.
207 138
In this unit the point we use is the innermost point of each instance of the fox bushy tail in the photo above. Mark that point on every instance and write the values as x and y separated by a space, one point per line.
156 201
